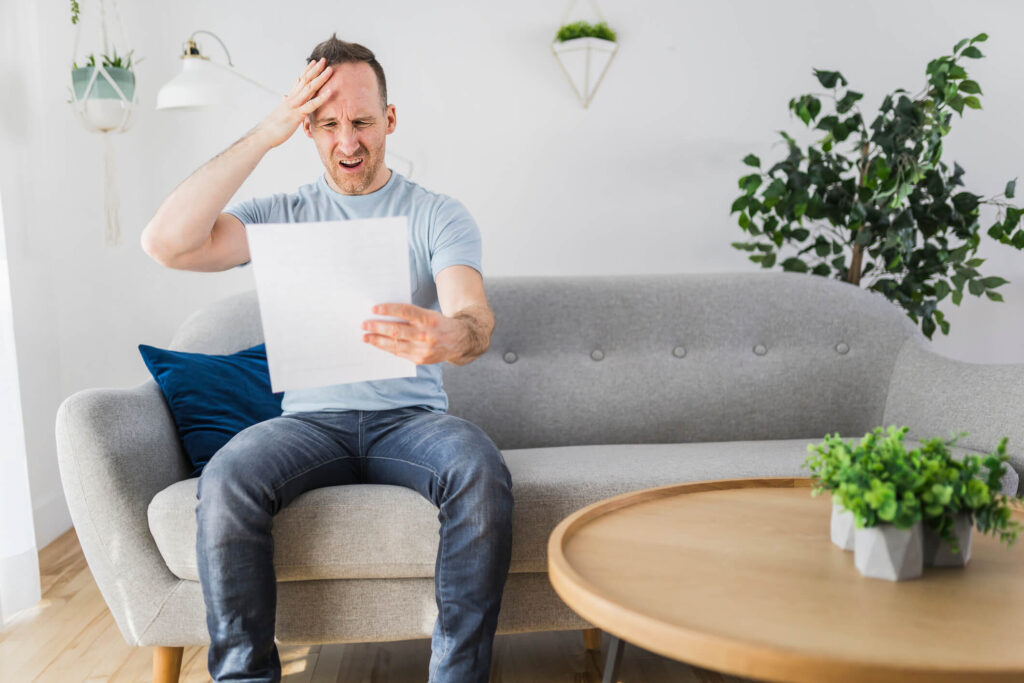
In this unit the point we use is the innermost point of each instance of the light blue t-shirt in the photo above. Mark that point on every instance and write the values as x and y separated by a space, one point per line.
441 234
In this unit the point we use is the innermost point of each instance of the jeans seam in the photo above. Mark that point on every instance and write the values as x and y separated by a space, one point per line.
308 470
440 611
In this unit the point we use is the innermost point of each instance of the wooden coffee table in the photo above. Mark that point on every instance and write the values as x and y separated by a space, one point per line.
739 576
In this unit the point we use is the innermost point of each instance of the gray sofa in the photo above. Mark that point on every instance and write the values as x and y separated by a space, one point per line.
592 387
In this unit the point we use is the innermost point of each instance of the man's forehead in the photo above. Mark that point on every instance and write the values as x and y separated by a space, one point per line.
354 93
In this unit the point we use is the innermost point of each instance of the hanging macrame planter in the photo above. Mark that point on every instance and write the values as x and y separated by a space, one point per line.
103 97
585 52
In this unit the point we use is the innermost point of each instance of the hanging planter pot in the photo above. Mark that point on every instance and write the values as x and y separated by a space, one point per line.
104 96
939 553
585 62
888 552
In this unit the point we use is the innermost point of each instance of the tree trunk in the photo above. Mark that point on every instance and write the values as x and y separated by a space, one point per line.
856 261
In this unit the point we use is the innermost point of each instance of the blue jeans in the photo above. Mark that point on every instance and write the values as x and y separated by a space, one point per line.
450 461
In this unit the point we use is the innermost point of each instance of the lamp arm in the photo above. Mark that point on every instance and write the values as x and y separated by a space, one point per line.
215 37
233 72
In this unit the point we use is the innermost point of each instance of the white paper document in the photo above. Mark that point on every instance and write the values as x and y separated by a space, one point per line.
317 283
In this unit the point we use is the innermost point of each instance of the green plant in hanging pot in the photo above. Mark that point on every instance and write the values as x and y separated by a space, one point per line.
585 51
103 86
876 205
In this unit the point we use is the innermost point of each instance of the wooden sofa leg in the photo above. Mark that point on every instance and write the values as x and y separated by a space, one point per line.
592 639
167 664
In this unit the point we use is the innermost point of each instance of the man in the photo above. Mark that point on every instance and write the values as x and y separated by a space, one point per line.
384 432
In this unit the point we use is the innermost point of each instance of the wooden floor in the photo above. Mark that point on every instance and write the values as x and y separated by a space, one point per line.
70 637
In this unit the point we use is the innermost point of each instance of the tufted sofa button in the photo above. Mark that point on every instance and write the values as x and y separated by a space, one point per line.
597 354
510 357
842 347
760 349
679 352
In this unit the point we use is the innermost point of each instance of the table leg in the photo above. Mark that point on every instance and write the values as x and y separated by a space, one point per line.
613 660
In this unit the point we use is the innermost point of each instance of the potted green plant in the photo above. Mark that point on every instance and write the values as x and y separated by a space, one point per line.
827 462
911 508
962 494
103 87
876 205
585 50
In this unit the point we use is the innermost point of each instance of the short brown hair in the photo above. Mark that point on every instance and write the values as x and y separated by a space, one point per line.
340 52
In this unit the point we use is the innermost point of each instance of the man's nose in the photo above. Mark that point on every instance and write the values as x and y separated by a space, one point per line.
348 142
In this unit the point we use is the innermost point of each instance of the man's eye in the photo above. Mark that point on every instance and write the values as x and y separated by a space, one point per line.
362 124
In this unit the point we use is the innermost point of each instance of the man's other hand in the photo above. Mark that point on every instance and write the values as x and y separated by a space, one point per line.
424 337
305 97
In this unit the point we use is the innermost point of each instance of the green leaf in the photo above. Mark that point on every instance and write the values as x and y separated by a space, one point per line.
976 287
1011 187
941 290
828 78
959 45
750 183
822 269
751 160
805 114
1018 240
848 100
980 38
740 204
972 52
970 87
972 102
800 234
744 221
795 265
958 296
993 282
995 296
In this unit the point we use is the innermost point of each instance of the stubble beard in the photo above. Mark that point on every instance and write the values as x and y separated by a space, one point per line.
361 182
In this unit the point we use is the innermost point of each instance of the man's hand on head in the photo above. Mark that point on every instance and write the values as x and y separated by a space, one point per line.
425 336
303 99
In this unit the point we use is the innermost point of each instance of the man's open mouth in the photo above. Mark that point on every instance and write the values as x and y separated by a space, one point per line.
351 164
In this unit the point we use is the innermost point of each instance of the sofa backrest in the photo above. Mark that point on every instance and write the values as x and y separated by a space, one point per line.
655 359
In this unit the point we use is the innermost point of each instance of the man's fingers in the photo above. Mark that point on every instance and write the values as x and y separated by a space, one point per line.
390 329
413 314
397 347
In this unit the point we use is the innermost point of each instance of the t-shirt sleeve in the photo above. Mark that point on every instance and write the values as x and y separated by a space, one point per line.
454 238
256 210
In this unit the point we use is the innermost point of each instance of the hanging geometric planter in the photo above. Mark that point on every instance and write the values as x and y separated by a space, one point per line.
103 98
585 52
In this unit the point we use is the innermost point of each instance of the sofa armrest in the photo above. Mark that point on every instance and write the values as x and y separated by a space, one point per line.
934 395
116 449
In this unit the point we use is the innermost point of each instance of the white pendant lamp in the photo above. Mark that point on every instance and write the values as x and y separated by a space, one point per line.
202 82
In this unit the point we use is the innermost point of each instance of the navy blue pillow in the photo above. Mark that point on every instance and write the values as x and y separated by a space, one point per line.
212 398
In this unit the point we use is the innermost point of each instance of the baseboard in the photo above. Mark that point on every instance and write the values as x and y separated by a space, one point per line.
19 583
51 518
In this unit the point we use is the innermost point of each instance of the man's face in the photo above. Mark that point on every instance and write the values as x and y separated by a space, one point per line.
349 130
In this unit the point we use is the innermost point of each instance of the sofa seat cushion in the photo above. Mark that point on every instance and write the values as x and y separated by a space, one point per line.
373 531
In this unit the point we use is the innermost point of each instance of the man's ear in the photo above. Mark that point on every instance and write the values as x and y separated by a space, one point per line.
392 119
305 126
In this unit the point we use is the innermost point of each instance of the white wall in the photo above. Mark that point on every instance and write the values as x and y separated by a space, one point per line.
639 183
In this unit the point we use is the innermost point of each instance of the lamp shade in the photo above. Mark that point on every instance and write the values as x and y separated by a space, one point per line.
201 83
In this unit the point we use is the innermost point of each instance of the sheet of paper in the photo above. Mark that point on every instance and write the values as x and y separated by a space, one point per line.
317 283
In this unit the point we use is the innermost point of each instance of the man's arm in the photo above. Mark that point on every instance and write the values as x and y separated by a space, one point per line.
189 230
459 334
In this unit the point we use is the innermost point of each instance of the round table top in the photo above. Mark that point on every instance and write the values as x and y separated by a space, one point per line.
740 576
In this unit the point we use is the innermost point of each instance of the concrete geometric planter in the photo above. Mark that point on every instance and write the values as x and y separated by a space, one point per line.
938 553
886 552
842 527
